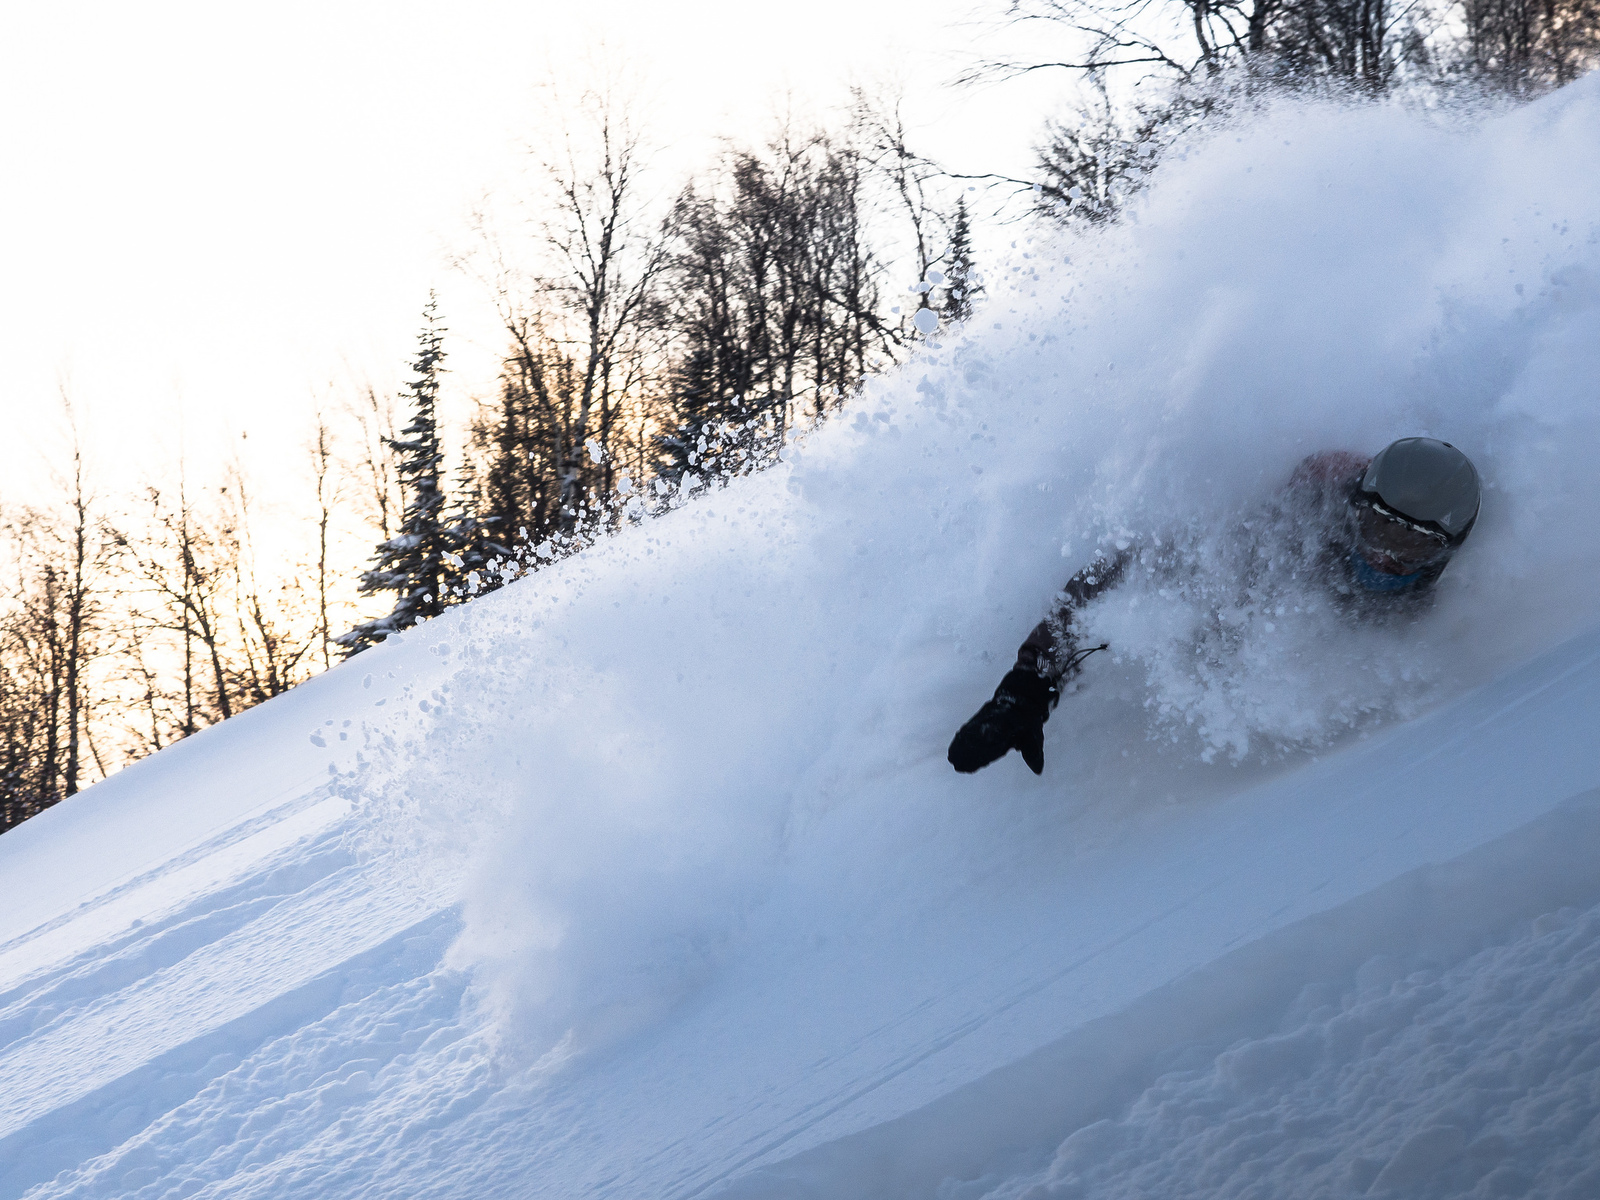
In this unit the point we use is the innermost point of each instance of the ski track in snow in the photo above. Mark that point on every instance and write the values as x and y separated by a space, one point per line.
382 1051
646 877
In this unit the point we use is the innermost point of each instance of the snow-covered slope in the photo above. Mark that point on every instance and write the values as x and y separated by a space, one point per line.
646 875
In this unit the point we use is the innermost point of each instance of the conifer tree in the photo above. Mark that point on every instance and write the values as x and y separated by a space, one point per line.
413 563
960 283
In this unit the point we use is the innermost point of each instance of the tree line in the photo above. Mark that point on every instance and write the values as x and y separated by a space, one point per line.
651 351
1189 63
130 622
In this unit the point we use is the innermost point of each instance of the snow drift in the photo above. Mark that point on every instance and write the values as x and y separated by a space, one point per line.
646 875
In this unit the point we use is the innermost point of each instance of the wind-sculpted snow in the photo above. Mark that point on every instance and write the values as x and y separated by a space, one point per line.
646 875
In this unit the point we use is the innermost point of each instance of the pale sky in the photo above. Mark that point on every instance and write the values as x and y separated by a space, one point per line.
212 214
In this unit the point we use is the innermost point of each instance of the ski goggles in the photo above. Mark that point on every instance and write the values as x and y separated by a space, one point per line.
1383 533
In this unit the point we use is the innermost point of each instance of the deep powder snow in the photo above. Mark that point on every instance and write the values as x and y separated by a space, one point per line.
1327 278
1480 1080
646 875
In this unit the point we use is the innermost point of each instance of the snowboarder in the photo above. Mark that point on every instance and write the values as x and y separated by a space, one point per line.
1388 527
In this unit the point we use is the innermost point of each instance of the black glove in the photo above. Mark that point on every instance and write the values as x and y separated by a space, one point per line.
1014 719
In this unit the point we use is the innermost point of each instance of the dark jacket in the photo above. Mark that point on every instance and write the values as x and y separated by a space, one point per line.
1317 495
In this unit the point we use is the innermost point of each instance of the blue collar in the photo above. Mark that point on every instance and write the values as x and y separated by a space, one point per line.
1374 580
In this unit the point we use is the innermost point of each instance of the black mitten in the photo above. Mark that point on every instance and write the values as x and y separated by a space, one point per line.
1014 719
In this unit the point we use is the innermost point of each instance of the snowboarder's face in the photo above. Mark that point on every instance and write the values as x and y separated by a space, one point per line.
1395 546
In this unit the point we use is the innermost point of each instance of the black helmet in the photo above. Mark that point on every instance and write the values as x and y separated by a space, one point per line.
1416 503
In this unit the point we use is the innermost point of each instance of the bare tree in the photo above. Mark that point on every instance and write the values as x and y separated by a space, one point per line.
81 608
22 720
374 417
150 715
588 348
36 673
51 632
519 443
941 234
776 296
608 259
275 636
1183 40
329 495
1356 46
1524 47
178 570
886 145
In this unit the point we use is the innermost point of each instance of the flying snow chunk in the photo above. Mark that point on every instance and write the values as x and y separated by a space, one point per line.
593 447
927 320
